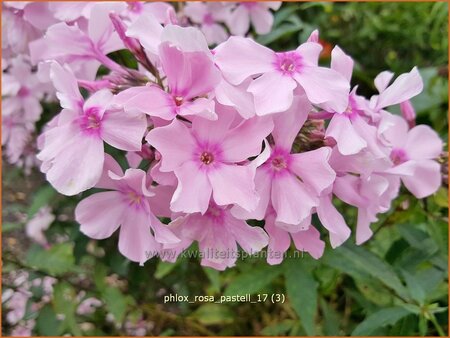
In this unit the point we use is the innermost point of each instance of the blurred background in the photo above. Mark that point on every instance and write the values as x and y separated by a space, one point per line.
395 284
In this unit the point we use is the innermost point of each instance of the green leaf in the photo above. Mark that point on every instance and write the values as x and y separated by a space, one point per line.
301 290
214 314
415 289
41 198
163 269
283 30
379 319
65 303
56 261
7 227
331 319
357 262
214 278
278 329
116 303
46 323
253 280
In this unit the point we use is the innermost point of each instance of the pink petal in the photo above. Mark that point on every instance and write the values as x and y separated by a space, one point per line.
288 124
123 130
239 21
237 146
263 185
105 181
273 93
423 143
313 169
136 179
213 132
403 88
239 58
100 214
326 86
174 142
333 221
310 52
251 238
201 107
287 191
148 31
236 97
382 80
262 19
135 240
78 167
189 74
150 100
347 139
363 231
234 184
193 191
426 180
66 86
279 242
309 241
342 63
187 39
162 232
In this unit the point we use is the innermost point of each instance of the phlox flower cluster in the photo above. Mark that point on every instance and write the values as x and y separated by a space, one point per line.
214 137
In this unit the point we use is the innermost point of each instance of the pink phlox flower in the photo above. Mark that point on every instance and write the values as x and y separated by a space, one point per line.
207 159
217 232
241 58
191 77
256 13
126 205
209 16
72 150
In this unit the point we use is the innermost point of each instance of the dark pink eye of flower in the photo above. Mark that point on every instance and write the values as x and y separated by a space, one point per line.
178 100
23 92
289 62
215 212
279 163
208 19
207 158
398 156
91 121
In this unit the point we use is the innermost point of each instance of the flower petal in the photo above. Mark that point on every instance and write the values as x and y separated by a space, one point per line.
100 214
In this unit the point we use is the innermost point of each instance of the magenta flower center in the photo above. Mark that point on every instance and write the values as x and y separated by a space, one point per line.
215 213
91 121
399 156
279 163
288 63
208 19
23 92
207 158
178 100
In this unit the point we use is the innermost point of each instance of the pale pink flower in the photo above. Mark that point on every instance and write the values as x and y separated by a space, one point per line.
206 160
240 58
191 76
413 153
218 233
305 240
40 222
125 205
88 306
87 44
287 177
258 13
208 16
72 150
